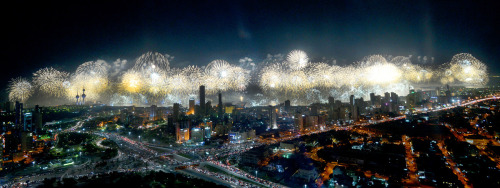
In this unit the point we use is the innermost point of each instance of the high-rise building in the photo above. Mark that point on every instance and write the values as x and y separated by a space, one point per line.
182 130
19 114
220 111
351 100
11 142
9 107
298 122
314 110
37 119
26 141
287 106
191 107
28 122
372 99
202 100
153 113
273 117
1 152
197 135
176 112
208 108
394 102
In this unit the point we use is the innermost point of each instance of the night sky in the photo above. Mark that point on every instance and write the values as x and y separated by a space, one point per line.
64 35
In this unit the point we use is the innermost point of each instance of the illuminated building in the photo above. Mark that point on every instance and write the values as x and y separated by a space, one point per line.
197 135
26 141
182 130
229 109
28 122
273 117
191 107
299 122
234 137
153 113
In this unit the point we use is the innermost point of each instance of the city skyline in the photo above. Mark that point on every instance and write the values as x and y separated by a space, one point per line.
313 94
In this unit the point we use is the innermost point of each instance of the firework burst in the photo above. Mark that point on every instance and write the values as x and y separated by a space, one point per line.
51 81
20 89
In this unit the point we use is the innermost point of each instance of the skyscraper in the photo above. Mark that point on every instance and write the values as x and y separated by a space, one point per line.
273 117
287 105
220 112
28 122
176 112
191 107
26 141
19 113
37 119
202 100
372 99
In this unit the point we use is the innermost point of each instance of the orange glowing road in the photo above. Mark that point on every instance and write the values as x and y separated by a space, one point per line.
411 164
453 166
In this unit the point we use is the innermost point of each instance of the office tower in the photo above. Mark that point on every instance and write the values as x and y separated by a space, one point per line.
351 106
372 98
298 122
19 113
11 142
28 122
219 107
191 107
273 117
314 110
37 119
153 113
394 102
26 141
351 100
208 108
387 97
202 100
176 112
1 152
287 105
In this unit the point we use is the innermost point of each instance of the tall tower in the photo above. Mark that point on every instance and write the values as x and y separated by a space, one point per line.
272 117
83 96
219 107
202 100
191 107
77 97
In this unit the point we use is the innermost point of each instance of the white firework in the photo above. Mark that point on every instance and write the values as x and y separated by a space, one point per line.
297 59
20 89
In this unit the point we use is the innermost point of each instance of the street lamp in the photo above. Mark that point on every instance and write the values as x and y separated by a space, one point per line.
139 138
129 133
